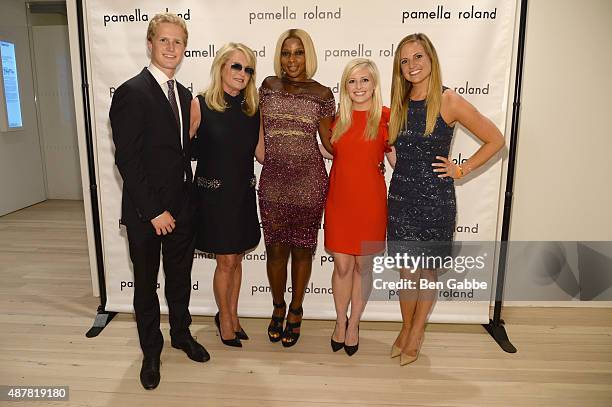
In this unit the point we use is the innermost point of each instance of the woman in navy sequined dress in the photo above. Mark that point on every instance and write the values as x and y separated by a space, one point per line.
293 182
421 201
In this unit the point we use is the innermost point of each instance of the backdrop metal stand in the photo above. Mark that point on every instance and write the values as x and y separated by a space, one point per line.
103 317
495 327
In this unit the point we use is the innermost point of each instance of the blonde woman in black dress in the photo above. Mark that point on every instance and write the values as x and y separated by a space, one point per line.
225 121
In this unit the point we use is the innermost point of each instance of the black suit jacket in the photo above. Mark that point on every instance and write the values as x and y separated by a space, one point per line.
148 150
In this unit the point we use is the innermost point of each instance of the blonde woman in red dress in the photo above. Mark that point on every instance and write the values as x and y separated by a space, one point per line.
356 207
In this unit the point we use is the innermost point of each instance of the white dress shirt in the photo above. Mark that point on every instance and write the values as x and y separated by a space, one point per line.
162 80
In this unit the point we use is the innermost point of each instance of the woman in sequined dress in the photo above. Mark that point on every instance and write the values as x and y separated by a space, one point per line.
421 201
293 182
226 120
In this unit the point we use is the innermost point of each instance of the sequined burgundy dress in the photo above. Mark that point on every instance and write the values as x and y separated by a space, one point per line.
293 181
421 206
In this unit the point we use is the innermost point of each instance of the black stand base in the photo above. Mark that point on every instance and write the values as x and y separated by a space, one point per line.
498 332
103 318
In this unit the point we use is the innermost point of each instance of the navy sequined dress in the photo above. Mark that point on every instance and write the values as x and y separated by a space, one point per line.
421 206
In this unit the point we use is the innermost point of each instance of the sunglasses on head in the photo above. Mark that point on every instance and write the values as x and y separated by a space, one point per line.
238 67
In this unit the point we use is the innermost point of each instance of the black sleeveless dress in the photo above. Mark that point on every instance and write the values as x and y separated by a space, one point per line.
226 219
421 206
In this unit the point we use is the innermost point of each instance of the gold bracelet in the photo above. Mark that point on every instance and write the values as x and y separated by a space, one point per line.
460 172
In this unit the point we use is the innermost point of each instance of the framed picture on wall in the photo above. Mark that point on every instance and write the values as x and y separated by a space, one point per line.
10 117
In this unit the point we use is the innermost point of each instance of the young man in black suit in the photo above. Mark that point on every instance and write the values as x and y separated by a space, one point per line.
150 122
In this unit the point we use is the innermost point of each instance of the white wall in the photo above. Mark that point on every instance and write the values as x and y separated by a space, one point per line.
56 111
563 183
21 172
563 188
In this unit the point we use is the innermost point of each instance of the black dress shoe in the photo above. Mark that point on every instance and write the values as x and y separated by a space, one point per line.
242 335
149 372
194 350
352 349
336 346
235 342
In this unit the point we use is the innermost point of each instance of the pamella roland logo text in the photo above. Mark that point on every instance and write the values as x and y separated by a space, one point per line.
286 13
139 16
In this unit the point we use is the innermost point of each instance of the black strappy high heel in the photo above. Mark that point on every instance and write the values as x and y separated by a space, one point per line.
290 337
275 329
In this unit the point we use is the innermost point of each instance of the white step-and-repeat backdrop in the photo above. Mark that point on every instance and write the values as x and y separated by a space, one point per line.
474 42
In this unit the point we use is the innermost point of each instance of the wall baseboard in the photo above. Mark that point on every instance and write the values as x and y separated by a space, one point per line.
559 304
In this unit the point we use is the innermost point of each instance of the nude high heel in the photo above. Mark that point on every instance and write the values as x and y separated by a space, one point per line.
406 359
395 350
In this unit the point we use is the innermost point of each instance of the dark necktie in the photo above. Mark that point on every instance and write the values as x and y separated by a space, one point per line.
172 100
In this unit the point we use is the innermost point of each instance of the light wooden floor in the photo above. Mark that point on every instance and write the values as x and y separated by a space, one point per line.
46 306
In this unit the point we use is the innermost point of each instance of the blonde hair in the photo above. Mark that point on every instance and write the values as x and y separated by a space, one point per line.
309 51
165 18
400 89
214 94
346 104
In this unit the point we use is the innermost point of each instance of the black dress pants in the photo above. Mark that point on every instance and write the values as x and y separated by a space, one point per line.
177 250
